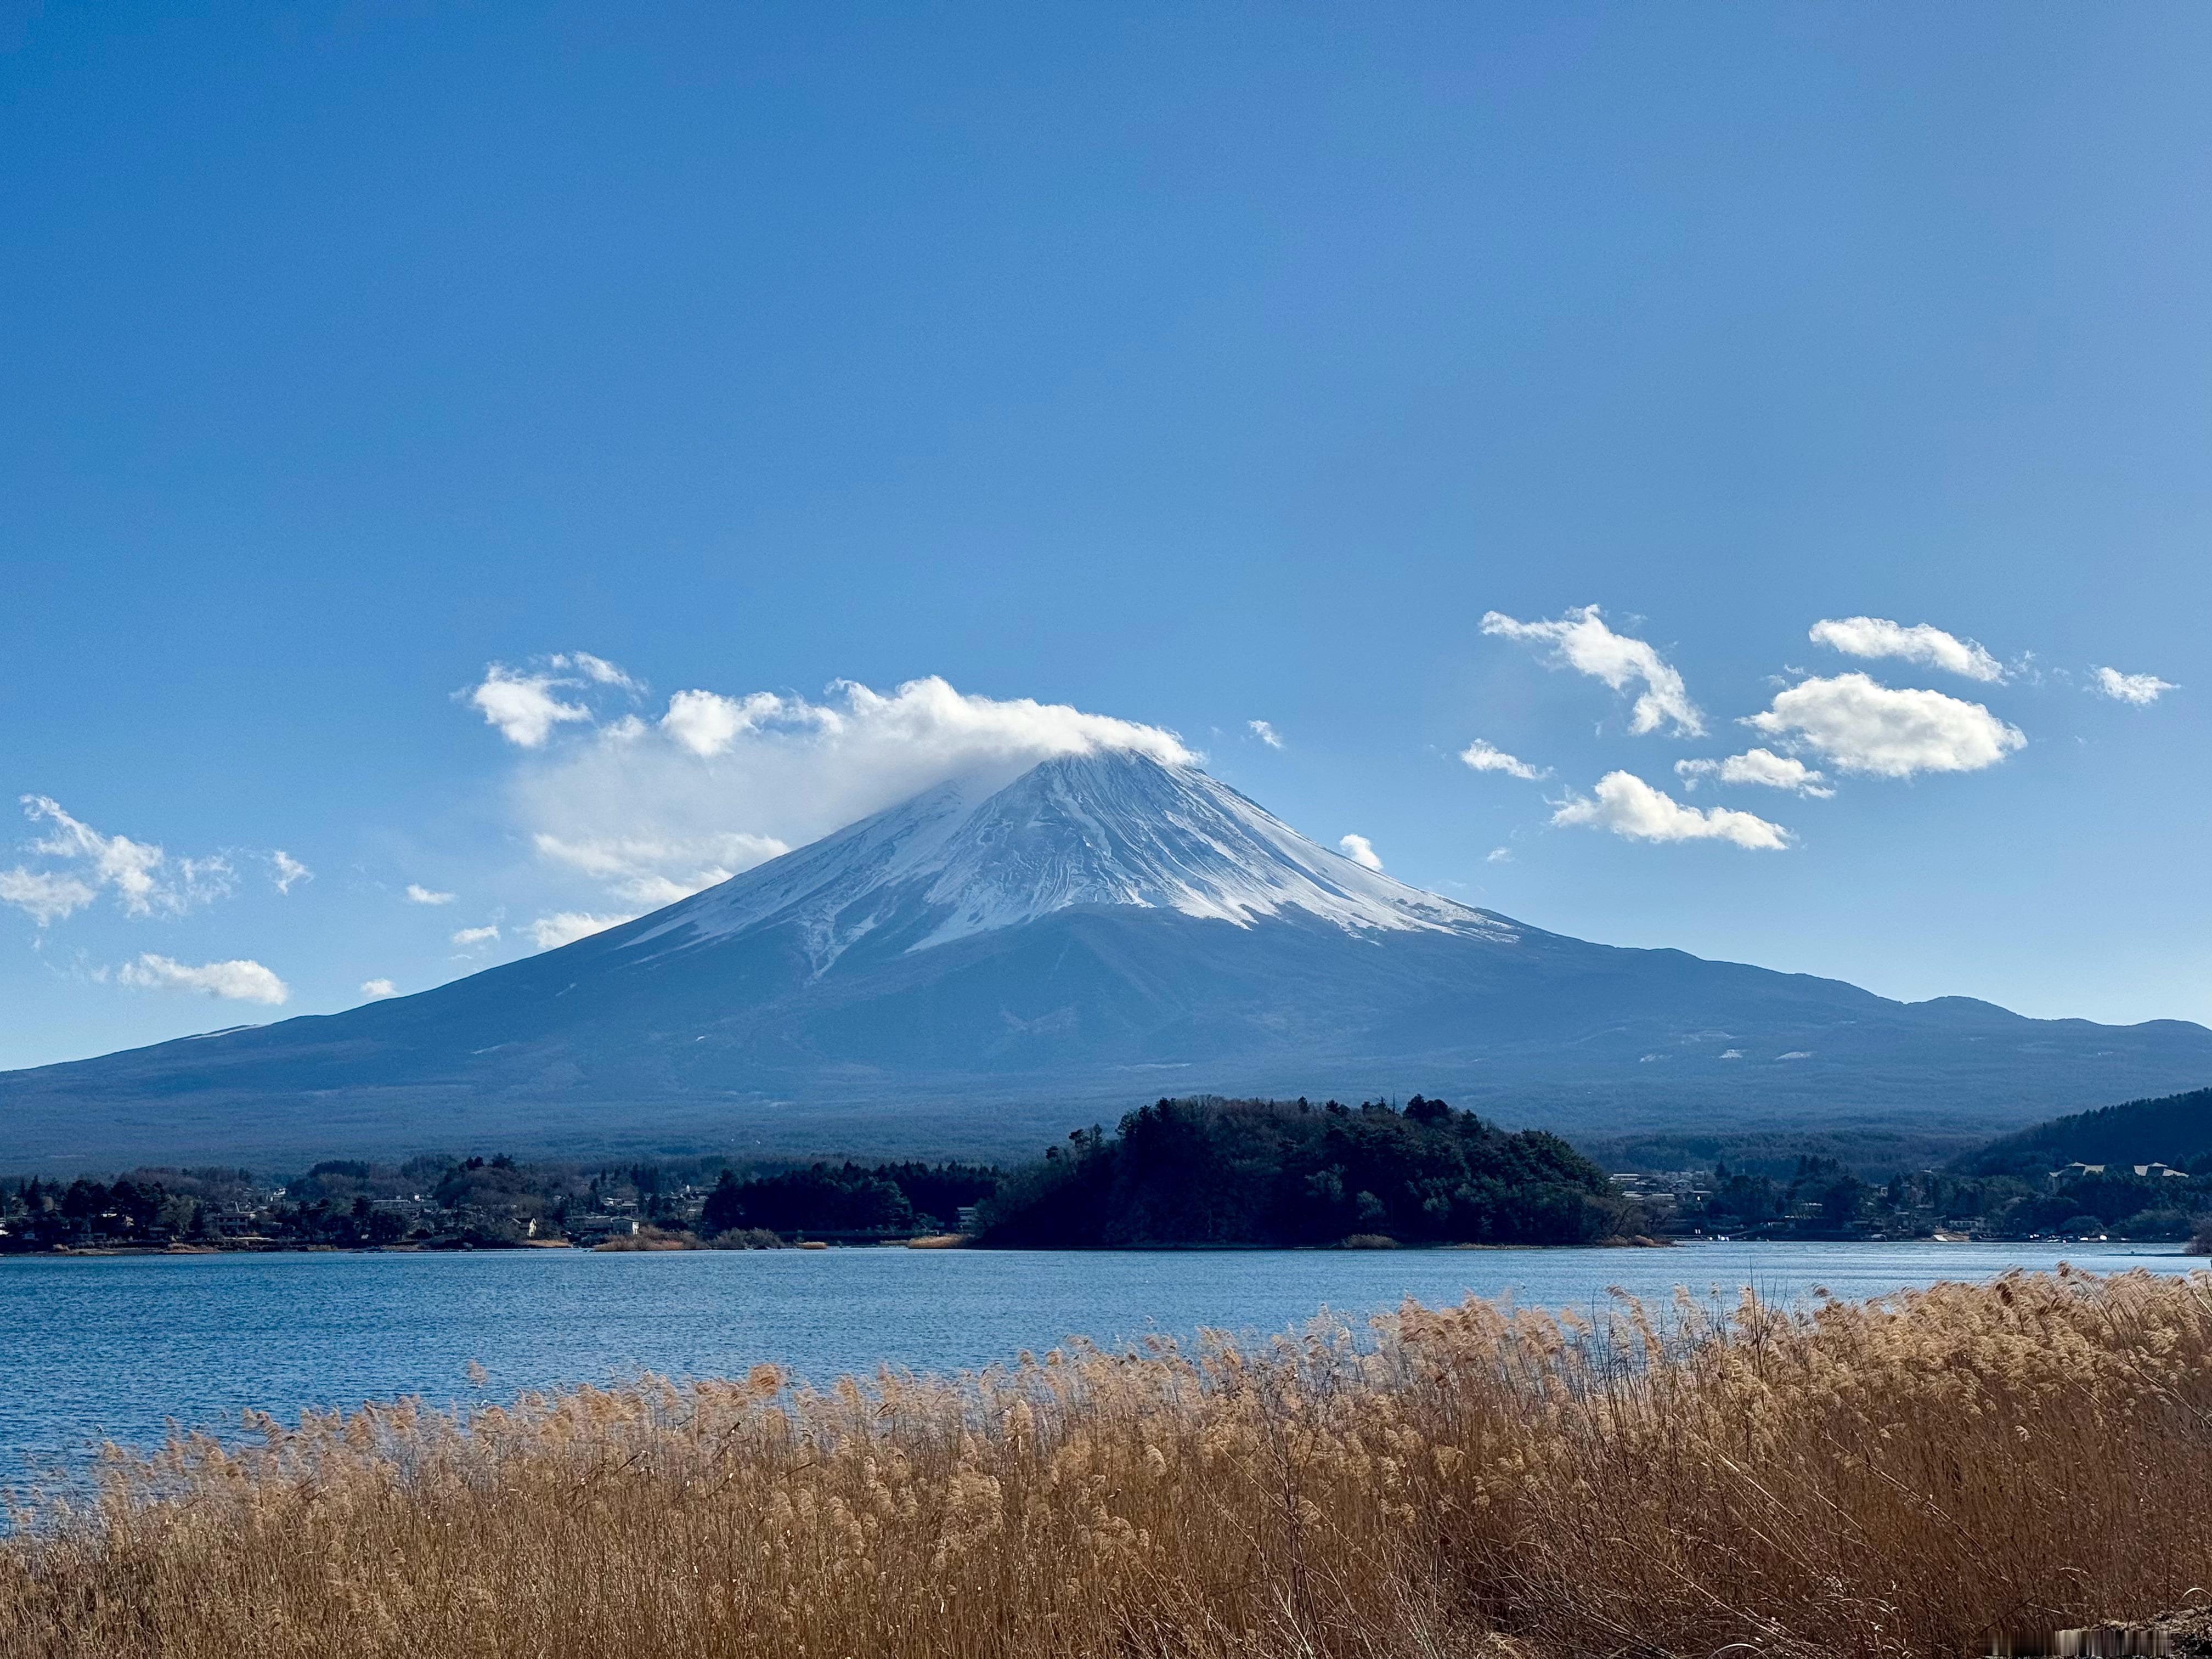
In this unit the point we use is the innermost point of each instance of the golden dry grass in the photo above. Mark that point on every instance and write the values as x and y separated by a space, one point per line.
1894 1478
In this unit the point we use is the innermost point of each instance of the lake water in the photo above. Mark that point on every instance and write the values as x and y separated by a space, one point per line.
115 1346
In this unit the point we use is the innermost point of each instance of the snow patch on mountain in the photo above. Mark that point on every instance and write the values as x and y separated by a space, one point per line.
1113 828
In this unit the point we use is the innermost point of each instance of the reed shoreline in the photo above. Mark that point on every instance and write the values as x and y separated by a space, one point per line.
1904 1476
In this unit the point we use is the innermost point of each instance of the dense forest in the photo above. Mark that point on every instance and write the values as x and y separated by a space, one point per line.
1209 1171
2176 1129
848 1198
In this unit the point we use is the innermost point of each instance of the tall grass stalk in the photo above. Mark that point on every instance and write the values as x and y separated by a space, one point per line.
1900 1477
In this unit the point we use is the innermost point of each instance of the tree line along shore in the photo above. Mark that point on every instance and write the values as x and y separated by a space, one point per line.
1177 1173
1181 1173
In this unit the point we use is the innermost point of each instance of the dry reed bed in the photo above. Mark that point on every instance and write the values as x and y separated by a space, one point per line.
1893 1477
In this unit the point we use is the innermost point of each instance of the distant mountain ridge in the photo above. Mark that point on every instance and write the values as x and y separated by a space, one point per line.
959 974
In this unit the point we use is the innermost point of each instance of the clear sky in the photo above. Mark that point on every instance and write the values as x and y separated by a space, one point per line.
1186 366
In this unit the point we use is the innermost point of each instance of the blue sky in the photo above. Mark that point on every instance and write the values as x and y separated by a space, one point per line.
1183 366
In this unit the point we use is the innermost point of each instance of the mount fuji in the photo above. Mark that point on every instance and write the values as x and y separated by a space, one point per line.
997 959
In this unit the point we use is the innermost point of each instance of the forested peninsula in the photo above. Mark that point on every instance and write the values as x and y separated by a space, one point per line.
1209 1172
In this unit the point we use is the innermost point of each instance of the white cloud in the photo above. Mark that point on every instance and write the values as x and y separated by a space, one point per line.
522 707
417 893
566 927
1361 851
651 810
287 871
707 723
1265 733
2140 689
639 868
236 981
1581 641
1628 806
145 879
1485 756
656 891
1875 636
482 935
198 881
1760 766
131 867
1498 856
598 670
44 896
376 989
1863 725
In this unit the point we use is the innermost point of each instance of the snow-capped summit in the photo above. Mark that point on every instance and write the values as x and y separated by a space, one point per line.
1110 828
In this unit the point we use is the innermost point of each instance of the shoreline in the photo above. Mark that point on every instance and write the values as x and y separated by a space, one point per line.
926 1243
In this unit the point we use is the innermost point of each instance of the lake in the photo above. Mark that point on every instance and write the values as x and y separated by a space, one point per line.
115 1346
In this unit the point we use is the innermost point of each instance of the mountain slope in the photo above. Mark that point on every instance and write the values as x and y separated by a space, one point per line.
982 966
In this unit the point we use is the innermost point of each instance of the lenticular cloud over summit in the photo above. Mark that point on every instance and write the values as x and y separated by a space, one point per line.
652 808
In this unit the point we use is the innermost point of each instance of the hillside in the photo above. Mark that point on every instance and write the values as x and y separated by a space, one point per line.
2174 1129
